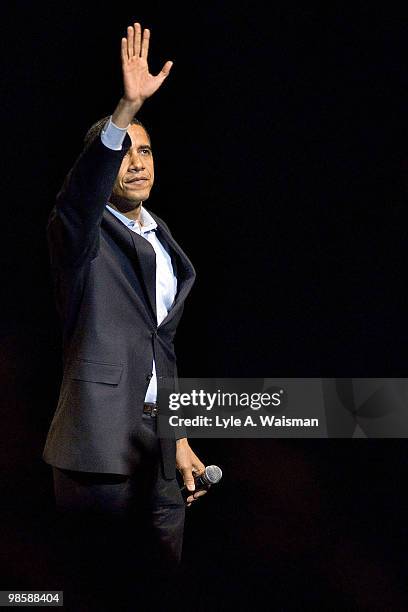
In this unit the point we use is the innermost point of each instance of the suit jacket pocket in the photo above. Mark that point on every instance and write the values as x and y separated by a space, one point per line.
95 371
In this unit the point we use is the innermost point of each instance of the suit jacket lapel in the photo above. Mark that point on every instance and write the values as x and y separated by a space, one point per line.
185 270
147 264
140 252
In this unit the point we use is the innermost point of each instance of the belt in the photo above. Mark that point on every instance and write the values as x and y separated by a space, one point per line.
150 408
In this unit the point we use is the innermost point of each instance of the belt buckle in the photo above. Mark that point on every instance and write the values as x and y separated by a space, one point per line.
151 409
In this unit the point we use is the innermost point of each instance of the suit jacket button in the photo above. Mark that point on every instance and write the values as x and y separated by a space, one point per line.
154 334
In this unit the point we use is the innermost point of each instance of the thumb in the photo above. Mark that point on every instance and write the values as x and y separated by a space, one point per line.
167 67
165 71
188 479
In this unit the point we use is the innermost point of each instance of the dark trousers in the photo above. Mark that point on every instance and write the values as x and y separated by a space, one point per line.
119 534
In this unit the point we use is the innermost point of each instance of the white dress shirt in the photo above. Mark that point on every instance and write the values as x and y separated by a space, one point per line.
166 282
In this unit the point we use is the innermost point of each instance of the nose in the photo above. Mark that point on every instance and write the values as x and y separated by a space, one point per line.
136 161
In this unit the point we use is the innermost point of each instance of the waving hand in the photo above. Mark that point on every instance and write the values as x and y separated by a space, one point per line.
138 83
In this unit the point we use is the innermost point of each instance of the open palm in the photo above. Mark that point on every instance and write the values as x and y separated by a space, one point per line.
138 83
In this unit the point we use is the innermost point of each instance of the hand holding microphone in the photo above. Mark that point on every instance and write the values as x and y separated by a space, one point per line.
196 477
211 475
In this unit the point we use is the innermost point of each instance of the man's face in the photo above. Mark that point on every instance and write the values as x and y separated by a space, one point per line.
136 174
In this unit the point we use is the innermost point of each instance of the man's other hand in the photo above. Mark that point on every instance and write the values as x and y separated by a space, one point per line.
189 466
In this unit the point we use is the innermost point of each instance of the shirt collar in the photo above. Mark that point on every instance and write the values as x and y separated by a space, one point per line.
147 221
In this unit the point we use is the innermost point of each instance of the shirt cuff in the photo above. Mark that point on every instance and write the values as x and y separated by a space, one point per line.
113 136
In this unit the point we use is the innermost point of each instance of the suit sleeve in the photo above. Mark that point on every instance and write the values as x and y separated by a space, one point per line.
73 225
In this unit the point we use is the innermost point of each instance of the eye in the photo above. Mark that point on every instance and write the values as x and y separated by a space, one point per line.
145 151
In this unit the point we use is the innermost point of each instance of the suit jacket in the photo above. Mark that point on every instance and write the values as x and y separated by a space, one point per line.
104 280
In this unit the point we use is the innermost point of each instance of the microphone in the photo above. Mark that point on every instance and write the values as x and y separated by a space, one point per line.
211 475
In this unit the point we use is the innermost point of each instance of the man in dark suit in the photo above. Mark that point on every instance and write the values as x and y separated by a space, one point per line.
120 284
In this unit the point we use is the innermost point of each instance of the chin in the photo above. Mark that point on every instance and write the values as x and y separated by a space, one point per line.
140 196
143 197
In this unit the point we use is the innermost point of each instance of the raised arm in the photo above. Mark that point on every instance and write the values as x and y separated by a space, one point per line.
73 227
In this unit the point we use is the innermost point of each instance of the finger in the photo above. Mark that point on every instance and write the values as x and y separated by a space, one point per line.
198 467
124 51
136 49
145 43
199 493
195 495
130 41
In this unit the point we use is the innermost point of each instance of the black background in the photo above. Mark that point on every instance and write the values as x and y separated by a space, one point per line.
282 168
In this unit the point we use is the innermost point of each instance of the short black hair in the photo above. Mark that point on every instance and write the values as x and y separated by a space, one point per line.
96 129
